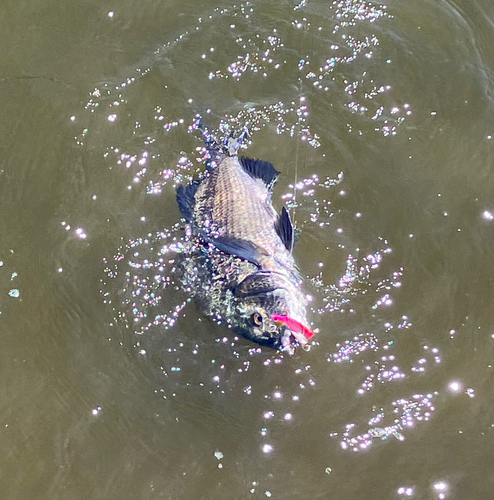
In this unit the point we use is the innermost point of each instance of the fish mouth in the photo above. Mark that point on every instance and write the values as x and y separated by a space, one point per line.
296 334
290 340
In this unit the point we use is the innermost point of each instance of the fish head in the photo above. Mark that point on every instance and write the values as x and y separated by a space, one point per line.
271 315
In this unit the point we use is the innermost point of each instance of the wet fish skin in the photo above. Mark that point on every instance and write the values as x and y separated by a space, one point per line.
216 281
238 265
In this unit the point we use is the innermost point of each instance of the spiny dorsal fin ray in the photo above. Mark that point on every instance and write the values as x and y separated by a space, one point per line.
260 170
186 199
284 229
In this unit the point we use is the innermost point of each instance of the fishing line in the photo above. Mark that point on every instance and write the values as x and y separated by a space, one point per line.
295 181
299 128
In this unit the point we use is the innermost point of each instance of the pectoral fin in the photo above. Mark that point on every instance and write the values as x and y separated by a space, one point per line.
239 248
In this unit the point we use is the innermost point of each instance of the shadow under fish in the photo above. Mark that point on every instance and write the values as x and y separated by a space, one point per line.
238 263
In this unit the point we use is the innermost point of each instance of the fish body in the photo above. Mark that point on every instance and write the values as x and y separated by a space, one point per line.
239 265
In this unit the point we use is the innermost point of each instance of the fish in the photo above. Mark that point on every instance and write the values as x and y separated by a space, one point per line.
238 264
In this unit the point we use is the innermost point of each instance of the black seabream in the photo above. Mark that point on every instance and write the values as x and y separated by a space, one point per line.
238 264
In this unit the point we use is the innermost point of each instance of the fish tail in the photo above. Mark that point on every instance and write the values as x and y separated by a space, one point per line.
218 148
233 144
215 152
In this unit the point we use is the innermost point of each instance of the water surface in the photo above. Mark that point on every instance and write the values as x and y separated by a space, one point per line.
379 116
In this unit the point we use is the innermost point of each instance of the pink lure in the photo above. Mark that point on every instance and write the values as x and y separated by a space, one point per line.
294 325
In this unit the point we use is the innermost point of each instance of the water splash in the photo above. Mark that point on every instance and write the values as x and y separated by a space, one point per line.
139 286
145 265
388 422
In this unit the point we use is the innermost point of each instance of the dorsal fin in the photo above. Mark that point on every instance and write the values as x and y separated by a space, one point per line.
284 229
185 199
260 170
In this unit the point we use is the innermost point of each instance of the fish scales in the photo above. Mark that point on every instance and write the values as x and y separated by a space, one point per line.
233 203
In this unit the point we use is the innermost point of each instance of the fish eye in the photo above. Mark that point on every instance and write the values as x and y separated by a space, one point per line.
257 319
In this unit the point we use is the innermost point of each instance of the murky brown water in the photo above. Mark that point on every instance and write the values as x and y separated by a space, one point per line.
114 385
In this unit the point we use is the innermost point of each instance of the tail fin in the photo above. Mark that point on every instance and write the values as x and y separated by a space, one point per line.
225 145
233 144
215 153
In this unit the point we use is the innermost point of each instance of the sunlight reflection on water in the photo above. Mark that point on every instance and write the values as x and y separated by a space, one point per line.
140 286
